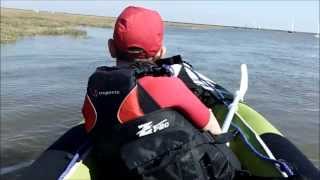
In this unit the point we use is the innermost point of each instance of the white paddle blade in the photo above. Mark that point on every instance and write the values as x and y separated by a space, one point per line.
244 81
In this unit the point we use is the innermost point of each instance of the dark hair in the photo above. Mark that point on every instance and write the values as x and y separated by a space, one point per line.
132 54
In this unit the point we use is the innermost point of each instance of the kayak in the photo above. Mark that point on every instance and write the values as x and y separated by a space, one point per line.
269 143
67 157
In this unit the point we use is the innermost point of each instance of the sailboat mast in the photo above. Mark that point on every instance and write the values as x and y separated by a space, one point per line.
292 25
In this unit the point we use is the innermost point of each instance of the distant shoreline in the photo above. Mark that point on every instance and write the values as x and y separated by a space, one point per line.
19 23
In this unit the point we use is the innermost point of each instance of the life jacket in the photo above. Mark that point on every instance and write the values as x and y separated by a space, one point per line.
117 95
108 87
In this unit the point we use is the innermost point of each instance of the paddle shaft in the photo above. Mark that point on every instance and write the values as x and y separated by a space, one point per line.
233 107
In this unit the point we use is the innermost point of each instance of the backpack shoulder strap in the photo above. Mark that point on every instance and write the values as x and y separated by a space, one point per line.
148 69
170 61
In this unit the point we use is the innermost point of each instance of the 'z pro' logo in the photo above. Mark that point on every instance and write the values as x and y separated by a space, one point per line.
148 128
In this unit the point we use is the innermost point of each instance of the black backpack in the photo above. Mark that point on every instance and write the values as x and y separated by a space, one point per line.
165 145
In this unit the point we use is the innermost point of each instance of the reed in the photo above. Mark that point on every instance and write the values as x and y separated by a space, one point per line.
16 23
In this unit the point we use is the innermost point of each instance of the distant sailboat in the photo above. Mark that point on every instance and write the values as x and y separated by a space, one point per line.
255 25
292 27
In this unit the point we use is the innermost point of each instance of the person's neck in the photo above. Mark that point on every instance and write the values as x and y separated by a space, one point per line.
120 63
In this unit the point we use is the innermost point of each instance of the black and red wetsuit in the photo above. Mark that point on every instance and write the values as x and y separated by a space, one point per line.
149 94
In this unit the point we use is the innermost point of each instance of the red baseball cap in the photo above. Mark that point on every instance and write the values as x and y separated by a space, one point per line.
138 27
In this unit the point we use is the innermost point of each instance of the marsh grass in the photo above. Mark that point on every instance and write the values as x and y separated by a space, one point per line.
20 23
17 23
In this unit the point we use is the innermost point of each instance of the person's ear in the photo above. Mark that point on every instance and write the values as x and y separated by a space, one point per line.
163 51
112 48
160 54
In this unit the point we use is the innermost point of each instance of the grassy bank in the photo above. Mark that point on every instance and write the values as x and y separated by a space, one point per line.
20 23
192 25
16 23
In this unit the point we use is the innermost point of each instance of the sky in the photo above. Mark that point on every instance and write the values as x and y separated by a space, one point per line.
284 15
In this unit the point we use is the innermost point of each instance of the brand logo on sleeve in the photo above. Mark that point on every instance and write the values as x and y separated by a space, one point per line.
96 93
149 128
107 93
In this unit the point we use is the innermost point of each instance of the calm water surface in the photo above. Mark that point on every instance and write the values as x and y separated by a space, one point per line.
43 82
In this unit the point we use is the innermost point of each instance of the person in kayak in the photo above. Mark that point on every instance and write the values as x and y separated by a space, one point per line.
138 37
204 88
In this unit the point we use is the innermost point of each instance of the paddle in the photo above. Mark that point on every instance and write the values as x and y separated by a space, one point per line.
239 94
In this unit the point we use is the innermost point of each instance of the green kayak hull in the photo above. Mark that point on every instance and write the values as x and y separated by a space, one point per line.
252 124
63 160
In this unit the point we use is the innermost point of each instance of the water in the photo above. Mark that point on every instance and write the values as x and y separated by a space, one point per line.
43 82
